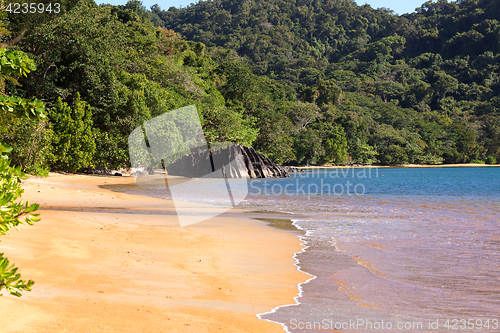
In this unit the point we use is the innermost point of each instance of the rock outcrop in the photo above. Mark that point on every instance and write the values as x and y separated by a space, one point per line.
101 171
232 161
259 166
291 169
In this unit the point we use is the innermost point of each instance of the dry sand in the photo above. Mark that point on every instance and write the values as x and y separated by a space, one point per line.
113 262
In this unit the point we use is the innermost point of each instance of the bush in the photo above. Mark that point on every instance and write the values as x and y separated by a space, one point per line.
73 143
10 217
31 142
431 159
490 159
111 150
14 63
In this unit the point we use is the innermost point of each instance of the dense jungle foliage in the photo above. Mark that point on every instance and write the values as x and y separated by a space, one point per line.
420 88
302 81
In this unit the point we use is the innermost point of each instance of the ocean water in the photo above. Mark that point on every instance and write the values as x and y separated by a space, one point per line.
393 249
389 249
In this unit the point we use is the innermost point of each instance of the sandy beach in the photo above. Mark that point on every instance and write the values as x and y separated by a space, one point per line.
105 261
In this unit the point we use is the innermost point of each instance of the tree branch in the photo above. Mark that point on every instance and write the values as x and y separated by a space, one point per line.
16 39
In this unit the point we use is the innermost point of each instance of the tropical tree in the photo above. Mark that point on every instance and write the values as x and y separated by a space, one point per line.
14 212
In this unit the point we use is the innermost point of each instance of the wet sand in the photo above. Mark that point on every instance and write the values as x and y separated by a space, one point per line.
105 261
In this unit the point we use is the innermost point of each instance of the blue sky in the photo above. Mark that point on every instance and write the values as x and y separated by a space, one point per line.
399 6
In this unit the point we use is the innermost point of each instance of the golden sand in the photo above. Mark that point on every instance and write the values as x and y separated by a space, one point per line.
113 262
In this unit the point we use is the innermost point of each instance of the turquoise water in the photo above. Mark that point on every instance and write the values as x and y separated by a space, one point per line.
411 250
390 249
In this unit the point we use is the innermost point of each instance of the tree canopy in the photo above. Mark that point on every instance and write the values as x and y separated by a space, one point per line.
301 81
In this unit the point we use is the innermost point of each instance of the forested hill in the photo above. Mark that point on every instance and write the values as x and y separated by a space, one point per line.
279 36
420 87
300 81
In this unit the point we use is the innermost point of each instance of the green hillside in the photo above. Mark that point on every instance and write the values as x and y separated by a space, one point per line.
301 81
420 87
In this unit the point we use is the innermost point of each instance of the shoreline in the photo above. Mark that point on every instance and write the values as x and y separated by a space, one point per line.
300 288
459 165
106 261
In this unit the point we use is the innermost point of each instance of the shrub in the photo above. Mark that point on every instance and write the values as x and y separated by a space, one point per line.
31 142
73 143
12 64
490 159
11 213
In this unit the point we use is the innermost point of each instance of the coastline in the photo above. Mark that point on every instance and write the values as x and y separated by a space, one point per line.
105 261
459 165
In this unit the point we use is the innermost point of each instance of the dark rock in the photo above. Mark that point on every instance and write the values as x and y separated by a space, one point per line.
259 166
203 162
100 171
291 169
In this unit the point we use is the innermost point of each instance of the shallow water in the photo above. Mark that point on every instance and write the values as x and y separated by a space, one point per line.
412 250
418 248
